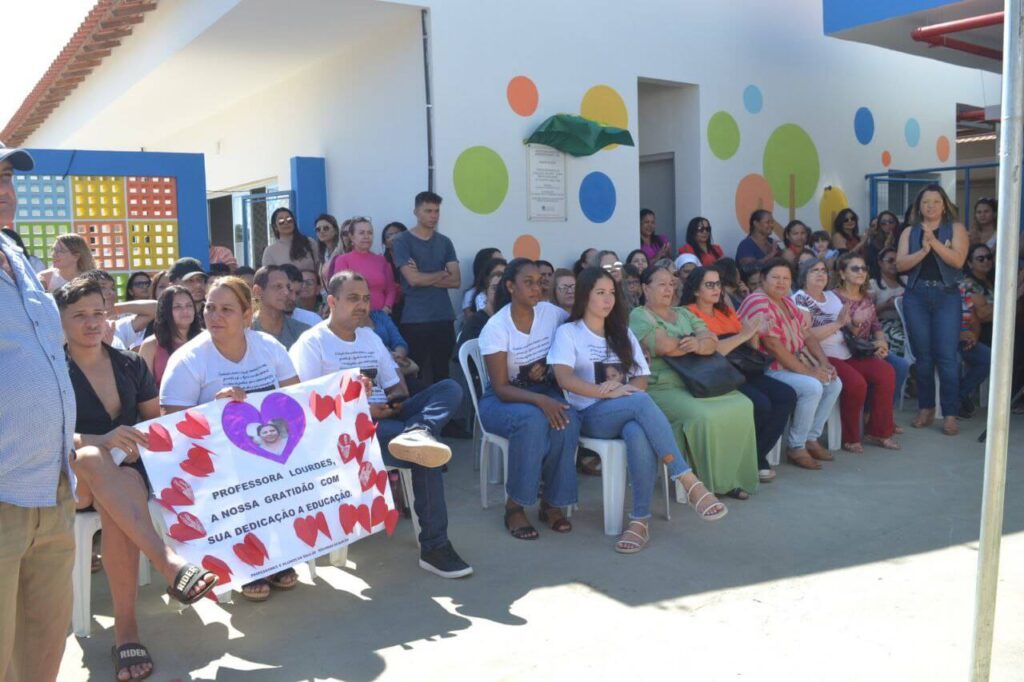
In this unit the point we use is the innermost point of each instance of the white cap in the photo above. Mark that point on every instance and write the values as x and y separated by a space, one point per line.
19 158
686 259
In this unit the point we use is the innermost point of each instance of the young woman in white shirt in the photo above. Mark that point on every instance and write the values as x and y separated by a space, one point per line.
229 360
524 405
599 363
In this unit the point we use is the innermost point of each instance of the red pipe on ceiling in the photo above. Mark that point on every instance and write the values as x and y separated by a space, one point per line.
936 35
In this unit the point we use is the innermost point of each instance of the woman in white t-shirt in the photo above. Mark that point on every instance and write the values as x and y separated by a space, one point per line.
229 360
523 404
599 363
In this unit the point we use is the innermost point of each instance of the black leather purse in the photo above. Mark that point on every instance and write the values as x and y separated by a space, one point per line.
859 348
749 361
706 376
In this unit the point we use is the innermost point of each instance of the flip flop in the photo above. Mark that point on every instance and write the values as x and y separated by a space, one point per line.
277 581
186 579
129 654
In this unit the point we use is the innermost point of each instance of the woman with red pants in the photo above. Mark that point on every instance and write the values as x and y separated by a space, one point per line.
859 366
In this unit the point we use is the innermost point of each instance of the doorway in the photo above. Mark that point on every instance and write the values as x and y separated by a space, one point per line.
658 191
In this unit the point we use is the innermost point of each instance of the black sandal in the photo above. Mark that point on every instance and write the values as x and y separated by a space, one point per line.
738 494
129 654
558 523
256 596
186 578
526 532
588 464
277 580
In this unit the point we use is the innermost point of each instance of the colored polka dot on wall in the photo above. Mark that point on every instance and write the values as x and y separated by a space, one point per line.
791 165
886 158
481 179
752 193
597 197
522 95
942 148
753 100
912 132
833 200
602 103
864 125
526 246
723 135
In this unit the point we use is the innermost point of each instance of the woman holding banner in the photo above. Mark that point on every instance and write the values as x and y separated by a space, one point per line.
229 360
114 390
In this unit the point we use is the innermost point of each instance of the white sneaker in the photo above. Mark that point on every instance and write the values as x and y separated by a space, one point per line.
420 447
766 475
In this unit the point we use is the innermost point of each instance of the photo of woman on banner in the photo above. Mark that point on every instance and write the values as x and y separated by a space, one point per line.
272 436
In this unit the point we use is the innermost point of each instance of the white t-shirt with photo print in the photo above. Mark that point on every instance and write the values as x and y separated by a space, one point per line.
592 360
197 370
527 353
320 351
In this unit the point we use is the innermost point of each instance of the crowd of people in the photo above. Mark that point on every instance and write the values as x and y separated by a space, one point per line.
701 363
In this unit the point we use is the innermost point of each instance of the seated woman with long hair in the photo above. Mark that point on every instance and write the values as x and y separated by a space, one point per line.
175 325
773 400
797 361
716 433
600 366
523 404
699 242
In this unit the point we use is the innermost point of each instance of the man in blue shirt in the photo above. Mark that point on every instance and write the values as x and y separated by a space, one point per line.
429 268
37 421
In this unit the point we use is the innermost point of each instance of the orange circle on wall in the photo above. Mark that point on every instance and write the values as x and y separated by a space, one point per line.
522 95
526 246
886 159
752 193
942 148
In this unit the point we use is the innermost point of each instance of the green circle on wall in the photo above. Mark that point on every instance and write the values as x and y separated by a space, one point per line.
791 165
481 179
723 135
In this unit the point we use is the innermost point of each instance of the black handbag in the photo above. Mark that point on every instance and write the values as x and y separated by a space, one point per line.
705 376
859 348
749 361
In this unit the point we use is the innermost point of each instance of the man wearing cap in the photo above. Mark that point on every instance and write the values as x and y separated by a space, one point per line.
37 421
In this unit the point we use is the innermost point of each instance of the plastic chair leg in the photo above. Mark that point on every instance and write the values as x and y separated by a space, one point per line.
613 483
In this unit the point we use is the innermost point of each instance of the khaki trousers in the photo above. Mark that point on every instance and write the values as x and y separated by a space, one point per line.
37 553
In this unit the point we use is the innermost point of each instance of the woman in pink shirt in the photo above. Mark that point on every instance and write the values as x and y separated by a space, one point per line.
376 269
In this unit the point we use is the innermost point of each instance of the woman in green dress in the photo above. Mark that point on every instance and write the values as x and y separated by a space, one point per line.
717 434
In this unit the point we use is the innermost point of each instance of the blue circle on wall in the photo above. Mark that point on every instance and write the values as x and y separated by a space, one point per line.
912 131
864 125
753 100
597 197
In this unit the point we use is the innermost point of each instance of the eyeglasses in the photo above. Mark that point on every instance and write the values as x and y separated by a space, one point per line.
285 219
566 288
704 228
613 266
141 284
886 221
712 285
323 228
983 258
856 268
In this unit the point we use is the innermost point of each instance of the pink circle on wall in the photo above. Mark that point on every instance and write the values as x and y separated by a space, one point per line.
526 246
522 95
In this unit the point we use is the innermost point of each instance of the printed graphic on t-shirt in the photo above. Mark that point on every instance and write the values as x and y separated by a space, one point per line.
366 361
532 373
818 316
250 380
610 371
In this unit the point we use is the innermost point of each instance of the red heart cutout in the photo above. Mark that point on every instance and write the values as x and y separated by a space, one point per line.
382 480
378 510
346 449
188 528
322 406
218 567
347 516
367 476
306 530
159 439
363 516
247 554
365 428
254 542
390 521
178 495
194 425
321 524
198 462
352 388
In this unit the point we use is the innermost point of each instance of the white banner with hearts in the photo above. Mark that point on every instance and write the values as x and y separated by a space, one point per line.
251 488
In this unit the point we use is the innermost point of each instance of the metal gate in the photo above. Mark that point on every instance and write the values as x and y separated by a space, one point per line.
895 190
256 231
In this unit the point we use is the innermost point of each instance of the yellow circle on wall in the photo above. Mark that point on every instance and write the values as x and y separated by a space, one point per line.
833 200
602 103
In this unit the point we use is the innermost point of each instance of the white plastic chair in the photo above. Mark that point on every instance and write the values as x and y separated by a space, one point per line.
613 481
908 353
493 449
834 428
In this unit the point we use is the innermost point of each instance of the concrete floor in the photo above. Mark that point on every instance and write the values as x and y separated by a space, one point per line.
862 571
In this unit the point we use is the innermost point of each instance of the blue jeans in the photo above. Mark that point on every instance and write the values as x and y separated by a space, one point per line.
430 409
536 451
774 402
976 364
933 326
902 368
814 403
648 435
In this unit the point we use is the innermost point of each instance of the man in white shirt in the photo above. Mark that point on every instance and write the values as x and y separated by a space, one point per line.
407 427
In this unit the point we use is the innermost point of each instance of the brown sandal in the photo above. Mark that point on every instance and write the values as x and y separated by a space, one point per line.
819 453
801 458
924 418
950 426
887 443
554 517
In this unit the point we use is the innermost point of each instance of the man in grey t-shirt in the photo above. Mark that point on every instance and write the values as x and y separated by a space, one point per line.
429 268
272 288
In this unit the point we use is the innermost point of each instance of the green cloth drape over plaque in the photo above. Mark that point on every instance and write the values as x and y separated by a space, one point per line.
577 135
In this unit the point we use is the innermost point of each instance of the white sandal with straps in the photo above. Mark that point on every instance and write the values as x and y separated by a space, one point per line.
706 513
627 545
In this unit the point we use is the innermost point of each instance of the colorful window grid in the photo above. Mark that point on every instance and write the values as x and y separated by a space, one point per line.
39 237
43 197
152 198
153 243
107 241
98 197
